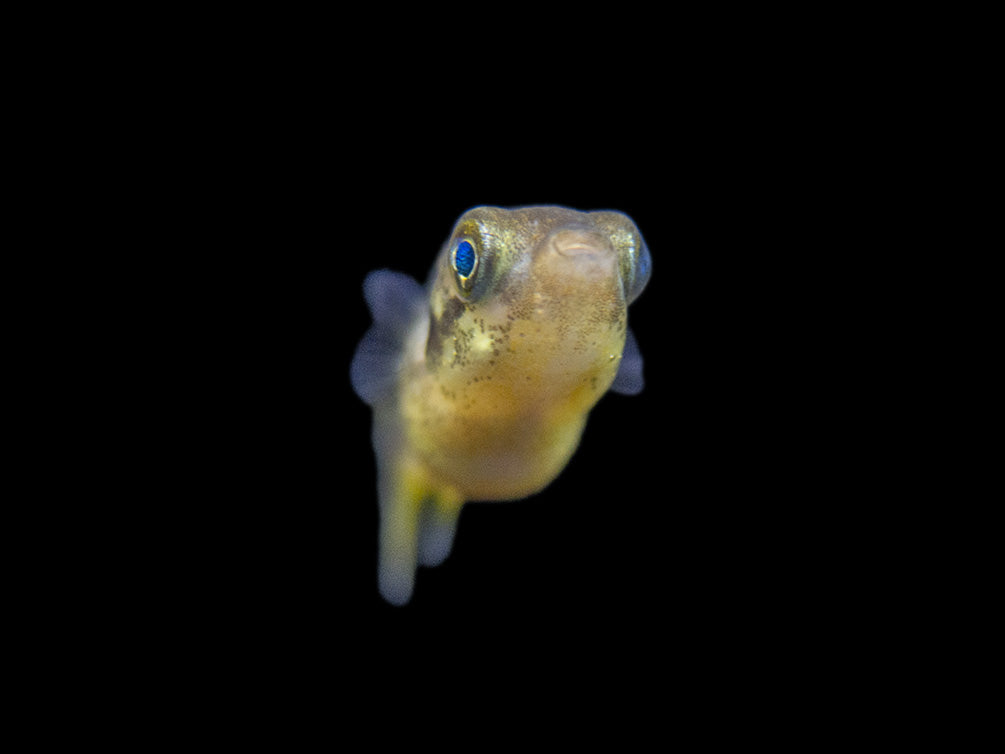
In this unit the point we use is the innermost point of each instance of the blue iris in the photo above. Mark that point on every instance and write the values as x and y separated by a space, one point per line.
464 258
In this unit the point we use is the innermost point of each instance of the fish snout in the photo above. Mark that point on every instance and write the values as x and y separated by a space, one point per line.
573 242
577 265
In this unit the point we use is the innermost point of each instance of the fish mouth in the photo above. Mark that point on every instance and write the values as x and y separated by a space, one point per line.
579 254
575 243
575 271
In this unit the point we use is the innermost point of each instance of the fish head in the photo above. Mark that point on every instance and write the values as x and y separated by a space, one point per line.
535 299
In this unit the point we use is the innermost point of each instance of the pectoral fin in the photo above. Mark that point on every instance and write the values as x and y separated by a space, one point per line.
395 301
628 380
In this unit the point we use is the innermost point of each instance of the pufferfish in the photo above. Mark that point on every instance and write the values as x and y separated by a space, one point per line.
482 381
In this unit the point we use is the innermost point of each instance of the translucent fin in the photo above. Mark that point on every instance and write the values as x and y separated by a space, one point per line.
373 365
417 518
395 300
629 380
437 525
399 531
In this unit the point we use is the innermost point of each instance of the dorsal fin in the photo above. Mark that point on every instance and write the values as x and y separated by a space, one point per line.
394 300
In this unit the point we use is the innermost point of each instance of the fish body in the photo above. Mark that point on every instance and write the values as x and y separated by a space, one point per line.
481 382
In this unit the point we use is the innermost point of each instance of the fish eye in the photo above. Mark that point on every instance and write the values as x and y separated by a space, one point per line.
464 260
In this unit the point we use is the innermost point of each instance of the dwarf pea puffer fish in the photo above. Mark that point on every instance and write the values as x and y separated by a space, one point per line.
481 383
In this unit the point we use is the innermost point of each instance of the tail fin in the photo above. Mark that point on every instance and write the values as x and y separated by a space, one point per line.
399 525
417 518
